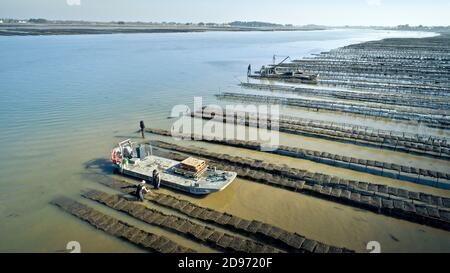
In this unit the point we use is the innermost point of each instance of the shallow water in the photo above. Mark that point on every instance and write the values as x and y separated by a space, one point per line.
67 99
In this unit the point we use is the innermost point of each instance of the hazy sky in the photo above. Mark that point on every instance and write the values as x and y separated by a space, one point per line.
298 12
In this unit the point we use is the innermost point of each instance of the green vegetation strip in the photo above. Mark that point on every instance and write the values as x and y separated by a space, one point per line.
117 228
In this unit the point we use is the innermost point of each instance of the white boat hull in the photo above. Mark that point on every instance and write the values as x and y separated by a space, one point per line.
213 181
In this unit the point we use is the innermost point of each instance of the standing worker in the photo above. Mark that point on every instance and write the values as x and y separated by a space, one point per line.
249 70
141 190
142 125
156 179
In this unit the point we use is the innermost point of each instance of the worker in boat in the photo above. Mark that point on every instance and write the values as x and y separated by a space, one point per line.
249 70
141 190
124 163
142 125
156 179
128 152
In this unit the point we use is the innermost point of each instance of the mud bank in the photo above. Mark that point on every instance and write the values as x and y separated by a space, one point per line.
258 230
119 229
200 233
391 201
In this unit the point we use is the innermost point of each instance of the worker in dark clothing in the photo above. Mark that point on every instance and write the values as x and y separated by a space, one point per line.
156 179
249 70
141 190
142 125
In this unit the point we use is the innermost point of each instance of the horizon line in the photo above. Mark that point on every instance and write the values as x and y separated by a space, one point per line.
216 23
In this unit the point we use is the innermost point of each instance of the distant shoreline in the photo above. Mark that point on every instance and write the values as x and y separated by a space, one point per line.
84 28
46 29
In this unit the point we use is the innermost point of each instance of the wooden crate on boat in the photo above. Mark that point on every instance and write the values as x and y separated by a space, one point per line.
191 167
193 164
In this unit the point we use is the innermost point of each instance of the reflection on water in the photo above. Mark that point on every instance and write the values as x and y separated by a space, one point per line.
67 99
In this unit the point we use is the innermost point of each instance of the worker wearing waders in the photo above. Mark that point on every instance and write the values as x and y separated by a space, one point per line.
249 70
156 179
141 190
142 125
